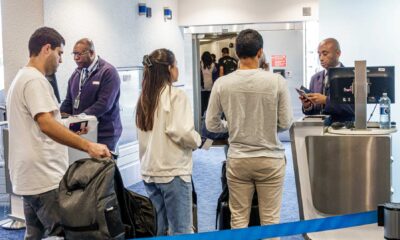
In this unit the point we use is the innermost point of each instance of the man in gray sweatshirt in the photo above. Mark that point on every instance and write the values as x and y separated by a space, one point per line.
256 105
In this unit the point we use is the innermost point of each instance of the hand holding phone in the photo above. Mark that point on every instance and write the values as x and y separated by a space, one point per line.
79 127
306 90
302 94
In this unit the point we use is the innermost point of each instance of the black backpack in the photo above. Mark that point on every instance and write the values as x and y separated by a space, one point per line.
229 64
95 205
138 213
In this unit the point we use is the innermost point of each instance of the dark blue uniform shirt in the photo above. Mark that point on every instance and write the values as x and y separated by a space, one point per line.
99 97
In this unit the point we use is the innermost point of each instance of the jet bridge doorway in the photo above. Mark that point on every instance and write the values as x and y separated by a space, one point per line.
284 48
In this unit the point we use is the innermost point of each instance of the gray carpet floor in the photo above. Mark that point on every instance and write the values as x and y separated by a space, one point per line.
206 177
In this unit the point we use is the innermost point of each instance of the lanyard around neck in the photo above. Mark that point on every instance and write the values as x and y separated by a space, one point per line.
85 75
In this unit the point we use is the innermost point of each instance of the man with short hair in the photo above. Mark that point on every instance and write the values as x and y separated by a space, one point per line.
226 63
318 102
38 157
94 89
256 105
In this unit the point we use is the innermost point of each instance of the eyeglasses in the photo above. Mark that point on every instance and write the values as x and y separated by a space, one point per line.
78 54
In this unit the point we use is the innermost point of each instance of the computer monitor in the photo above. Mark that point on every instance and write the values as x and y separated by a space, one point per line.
379 79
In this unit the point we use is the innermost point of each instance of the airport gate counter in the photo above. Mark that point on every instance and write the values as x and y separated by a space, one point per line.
345 170
339 172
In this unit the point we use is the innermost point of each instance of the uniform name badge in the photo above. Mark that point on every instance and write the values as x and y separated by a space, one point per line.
76 103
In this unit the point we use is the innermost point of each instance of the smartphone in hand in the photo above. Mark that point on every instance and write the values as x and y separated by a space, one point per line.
78 126
303 94
300 92
306 90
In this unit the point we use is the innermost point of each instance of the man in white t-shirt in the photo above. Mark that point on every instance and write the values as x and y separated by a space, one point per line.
38 157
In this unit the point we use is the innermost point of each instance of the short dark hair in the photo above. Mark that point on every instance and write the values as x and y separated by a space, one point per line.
213 57
88 42
225 50
248 43
43 36
333 41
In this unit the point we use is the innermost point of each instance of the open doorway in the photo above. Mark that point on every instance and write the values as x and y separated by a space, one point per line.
217 58
214 42
289 49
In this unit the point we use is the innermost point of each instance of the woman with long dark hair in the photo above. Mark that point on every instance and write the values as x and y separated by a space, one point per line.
166 139
207 70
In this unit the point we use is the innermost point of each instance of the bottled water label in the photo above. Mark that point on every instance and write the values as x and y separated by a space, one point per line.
384 121
384 103
385 111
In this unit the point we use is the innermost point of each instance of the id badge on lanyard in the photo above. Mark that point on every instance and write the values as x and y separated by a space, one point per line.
84 76
76 103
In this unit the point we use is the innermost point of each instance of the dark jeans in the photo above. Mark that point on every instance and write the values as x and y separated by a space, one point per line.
42 215
205 97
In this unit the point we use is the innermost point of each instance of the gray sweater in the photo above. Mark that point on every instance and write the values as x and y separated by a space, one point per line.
256 105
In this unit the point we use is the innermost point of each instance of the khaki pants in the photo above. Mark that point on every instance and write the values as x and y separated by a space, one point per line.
264 174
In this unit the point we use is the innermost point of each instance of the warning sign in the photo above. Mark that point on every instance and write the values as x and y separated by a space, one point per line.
278 60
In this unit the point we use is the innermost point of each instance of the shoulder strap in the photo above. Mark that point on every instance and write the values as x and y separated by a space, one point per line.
126 215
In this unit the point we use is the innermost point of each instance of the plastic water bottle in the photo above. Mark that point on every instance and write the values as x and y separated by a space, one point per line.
384 103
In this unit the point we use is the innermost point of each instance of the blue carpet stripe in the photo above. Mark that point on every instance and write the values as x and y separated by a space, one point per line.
284 229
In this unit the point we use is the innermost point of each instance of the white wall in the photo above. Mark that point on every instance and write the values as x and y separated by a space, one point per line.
119 34
211 12
288 43
121 37
20 18
368 30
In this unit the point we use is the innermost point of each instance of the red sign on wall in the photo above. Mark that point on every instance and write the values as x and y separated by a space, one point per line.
278 60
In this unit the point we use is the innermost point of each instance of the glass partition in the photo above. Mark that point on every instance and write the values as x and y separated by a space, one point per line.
131 78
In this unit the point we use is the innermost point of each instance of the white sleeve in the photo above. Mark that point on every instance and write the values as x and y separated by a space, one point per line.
180 123
38 97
